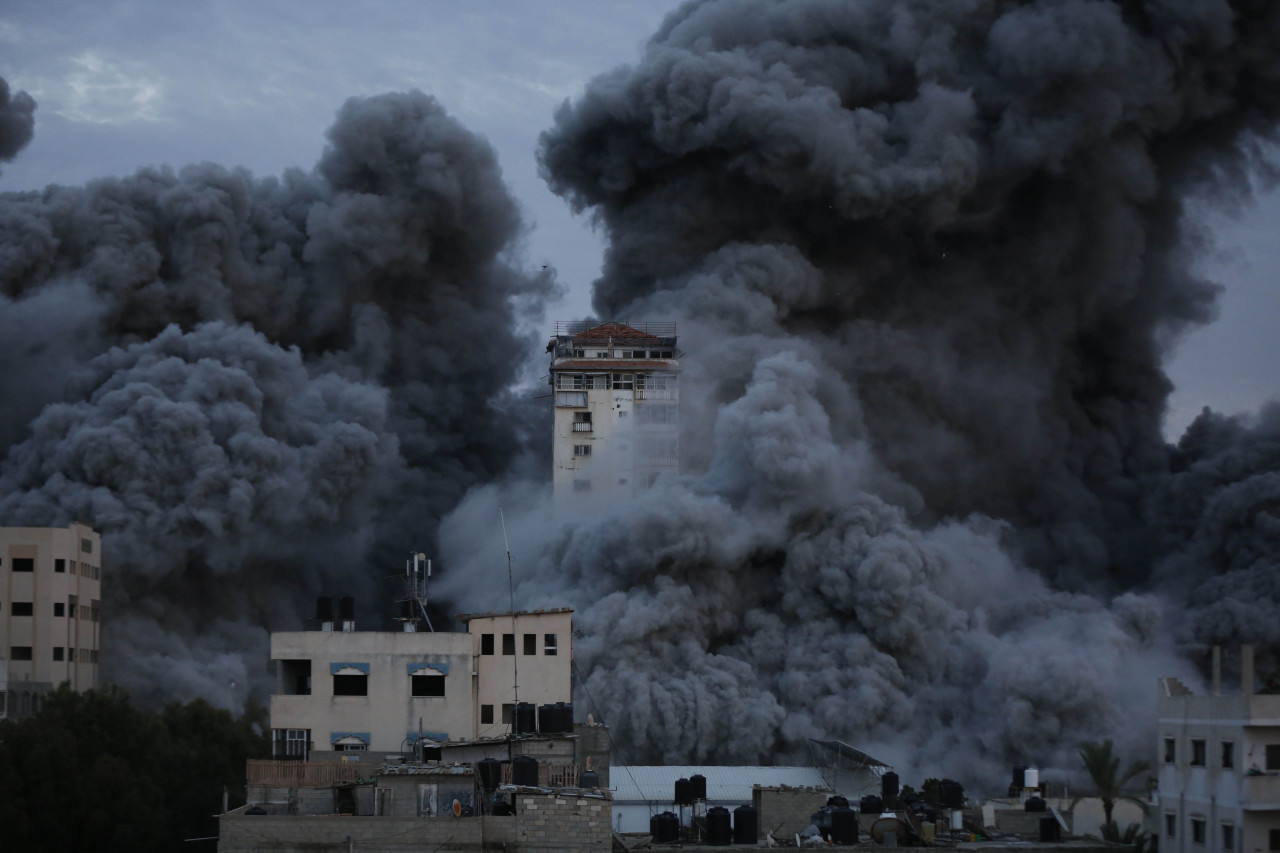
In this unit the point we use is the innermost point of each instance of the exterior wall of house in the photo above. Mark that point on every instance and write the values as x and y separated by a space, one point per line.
1218 760
387 718
50 594
545 676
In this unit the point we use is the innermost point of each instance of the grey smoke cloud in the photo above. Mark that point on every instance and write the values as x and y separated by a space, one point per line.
927 259
17 120
262 389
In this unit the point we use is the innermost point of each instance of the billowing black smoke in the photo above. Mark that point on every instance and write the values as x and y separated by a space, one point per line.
17 121
927 258
261 389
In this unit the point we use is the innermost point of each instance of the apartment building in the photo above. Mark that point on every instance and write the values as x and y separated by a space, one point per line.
50 613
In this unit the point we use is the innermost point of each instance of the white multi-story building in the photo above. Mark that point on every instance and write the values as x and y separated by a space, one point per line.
617 407
1219 767
354 691
50 589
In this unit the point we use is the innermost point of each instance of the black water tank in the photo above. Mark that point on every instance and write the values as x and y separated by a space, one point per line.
548 719
719 828
871 805
889 786
525 720
524 770
324 609
346 608
1050 830
1019 775
566 716
490 773
698 786
844 825
683 793
664 827
588 779
951 794
837 800
746 825
1035 804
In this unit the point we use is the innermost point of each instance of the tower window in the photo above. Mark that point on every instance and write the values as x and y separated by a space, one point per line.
486 715
1197 830
60 565
21 608
1228 754
508 644
486 644
1197 753
549 644
530 644
351 685
1170 750
24 564
582 450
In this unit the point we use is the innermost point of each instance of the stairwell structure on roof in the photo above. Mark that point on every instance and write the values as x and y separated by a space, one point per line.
616 410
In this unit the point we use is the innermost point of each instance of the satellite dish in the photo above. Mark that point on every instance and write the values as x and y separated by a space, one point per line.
457 809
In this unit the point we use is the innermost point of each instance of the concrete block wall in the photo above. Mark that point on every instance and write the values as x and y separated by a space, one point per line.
785 811
563 821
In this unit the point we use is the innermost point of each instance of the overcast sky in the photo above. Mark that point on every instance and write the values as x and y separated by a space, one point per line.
122 85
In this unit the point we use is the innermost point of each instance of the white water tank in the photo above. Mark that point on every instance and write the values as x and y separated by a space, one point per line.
1032 778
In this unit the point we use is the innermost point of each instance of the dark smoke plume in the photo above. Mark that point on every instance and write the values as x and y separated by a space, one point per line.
927 258
17 121
260 390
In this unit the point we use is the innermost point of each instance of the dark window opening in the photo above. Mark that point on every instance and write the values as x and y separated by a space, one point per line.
351 685
1228 837
549 644
59 609
1273 756
428 685
21 608
1170 825
1170 750
1197 830
19 653
86 545
508 713
530 644
24 564
1275 839
486 644
508 644
486 715
58 652
1228 754
60 565
295 677
1197 753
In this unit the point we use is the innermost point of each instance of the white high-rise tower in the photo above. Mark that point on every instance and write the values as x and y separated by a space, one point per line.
617 407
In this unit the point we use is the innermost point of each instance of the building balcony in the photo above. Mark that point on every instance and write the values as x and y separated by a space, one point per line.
582 427
1260 793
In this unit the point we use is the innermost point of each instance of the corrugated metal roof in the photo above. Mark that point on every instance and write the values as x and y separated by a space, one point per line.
657 783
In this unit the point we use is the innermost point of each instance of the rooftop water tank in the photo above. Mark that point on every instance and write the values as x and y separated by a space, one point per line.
844 825
524 771
698 786
719 829
683 793
746 825
664 828
490 770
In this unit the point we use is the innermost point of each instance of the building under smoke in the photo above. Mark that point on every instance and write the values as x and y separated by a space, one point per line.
616 410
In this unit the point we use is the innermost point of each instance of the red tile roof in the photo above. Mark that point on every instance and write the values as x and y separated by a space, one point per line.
616 331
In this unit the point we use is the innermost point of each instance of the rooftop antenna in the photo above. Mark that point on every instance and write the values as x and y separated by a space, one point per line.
417 574
511 590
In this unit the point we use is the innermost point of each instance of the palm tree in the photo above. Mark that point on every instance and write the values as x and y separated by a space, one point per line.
1104 769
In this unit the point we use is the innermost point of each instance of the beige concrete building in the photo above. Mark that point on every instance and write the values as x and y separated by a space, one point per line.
357 691
526 656
617 407
50 593
1219 767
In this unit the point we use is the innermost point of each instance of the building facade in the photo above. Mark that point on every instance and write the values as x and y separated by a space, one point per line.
1219 767
358 691
50 612
616 409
